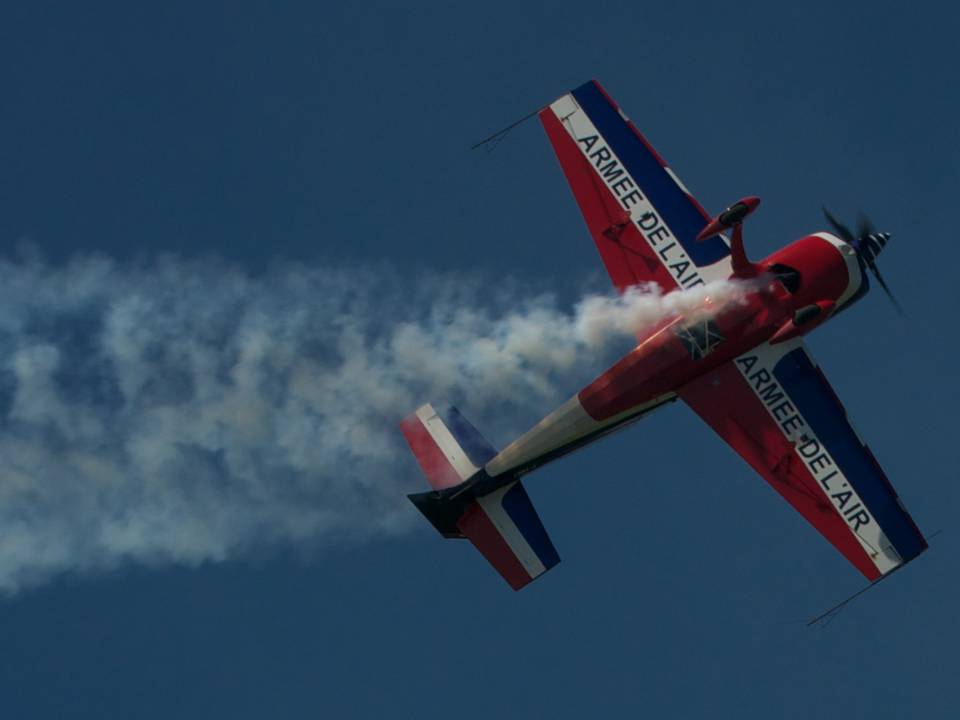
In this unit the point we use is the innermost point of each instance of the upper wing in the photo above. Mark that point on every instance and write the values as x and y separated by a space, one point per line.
774 406
642 218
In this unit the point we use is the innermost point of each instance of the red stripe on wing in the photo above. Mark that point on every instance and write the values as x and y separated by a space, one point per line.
627 256
727 404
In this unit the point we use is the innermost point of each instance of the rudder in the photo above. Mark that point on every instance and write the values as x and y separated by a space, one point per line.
449 449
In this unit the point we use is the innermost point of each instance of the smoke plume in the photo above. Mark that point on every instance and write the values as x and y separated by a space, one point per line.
187 412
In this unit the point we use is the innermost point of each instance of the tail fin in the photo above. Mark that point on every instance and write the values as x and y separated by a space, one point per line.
448 448
498 518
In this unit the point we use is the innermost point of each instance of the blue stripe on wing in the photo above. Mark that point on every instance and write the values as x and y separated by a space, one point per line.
817 403
680 213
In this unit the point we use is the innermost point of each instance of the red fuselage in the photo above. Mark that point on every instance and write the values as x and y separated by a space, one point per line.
809 279
797 289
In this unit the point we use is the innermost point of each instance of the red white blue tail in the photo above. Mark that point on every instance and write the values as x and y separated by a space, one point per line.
495 515
449 449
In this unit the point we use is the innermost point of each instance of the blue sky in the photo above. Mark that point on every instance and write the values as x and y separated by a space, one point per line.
336 137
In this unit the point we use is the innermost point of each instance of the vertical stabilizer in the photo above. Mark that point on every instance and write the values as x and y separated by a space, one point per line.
449 449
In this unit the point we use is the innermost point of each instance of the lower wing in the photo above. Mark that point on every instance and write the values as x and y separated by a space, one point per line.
775 407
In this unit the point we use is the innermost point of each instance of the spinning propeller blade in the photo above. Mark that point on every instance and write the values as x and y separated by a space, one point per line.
868 244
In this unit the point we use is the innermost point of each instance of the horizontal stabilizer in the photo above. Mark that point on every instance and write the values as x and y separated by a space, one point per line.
503 525
505 528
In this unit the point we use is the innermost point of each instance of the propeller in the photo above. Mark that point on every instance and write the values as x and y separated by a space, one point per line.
868 244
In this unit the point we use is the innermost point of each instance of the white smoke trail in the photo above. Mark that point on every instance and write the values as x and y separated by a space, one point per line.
188 412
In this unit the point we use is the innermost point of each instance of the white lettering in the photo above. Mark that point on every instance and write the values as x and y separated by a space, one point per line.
815 457
651 226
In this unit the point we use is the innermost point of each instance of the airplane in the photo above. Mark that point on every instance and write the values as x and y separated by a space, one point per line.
745 371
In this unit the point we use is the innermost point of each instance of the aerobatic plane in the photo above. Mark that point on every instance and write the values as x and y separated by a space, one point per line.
745 371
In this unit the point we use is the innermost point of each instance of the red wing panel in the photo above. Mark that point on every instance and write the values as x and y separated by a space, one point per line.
626 255
775 408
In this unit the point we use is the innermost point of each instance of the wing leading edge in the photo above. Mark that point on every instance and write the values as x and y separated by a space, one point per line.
774 406
642 219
